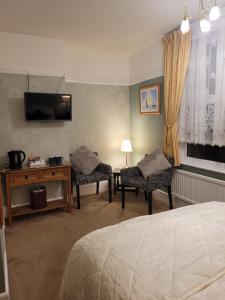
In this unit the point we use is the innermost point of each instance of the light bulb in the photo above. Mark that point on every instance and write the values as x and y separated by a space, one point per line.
214 13
205 25
185 26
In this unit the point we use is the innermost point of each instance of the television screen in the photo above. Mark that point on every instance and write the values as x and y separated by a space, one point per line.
48 107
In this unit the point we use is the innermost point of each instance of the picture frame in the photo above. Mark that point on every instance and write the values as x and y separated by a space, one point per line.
150 99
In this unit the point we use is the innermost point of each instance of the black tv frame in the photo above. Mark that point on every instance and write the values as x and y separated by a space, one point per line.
45 120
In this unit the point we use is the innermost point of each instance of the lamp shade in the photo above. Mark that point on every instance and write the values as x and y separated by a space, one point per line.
126 146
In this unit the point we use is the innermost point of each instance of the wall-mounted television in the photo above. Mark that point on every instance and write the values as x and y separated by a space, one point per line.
48 107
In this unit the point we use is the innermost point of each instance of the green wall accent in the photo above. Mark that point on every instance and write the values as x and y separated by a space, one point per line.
146 130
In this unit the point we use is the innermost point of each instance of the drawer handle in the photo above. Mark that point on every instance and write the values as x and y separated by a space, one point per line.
53 173
26 177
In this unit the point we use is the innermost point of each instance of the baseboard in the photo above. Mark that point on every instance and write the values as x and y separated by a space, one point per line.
179 197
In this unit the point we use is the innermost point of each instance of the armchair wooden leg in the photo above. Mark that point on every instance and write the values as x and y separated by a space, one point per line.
170 196
136 192
78 196
123 195
97 187
149 196
114 183
110 189
146 196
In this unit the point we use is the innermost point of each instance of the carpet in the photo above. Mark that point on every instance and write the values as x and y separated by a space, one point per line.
38 245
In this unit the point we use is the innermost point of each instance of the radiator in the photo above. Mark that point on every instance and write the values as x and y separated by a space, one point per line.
196 188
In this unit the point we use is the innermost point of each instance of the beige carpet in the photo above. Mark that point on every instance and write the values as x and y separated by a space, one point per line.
38 245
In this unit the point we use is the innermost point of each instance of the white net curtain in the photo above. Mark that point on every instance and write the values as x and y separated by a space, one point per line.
202 113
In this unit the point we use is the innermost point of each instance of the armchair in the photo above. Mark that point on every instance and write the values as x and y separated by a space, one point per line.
134 178
101 173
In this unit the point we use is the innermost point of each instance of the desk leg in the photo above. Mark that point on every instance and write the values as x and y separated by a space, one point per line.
68 194
9 206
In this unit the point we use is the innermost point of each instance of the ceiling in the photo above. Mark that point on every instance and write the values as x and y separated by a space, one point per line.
122 26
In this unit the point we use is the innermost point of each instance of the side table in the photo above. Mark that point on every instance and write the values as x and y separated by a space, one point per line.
117 183
27 176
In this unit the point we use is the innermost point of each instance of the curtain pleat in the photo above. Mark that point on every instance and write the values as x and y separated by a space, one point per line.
176 58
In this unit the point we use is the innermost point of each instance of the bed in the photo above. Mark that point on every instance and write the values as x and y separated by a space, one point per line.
178 254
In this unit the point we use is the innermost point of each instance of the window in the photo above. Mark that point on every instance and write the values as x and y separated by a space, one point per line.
206 152
202 113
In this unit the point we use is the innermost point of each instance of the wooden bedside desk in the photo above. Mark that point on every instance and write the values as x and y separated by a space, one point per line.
27 176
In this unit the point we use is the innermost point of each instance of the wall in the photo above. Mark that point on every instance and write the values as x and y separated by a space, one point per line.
20 53
147 63
146 67
43 56
101 116
91 66
146 130
100 121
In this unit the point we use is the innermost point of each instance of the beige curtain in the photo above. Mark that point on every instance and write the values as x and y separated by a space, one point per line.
176 58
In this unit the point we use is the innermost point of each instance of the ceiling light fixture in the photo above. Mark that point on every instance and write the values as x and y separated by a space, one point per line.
185 25
212 12
205 25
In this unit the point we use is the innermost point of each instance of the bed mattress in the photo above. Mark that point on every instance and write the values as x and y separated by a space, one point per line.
179 254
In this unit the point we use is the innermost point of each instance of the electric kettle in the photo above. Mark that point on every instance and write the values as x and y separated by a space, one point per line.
16 158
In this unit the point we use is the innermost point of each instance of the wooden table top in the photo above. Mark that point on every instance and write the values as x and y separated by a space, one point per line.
27 168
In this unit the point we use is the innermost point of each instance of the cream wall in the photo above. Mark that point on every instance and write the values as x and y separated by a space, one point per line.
43 56
101 119
147 63
96 67
20 53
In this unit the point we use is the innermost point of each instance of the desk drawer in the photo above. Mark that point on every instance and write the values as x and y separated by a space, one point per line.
24 178
56 173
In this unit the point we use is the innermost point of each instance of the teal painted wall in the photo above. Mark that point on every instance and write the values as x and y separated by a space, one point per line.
146 130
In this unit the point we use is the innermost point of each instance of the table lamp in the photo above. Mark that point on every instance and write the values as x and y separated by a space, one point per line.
126 147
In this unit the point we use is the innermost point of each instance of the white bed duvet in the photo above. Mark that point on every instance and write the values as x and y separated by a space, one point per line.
178 254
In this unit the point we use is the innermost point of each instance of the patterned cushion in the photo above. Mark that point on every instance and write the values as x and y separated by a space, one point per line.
131 177
90 178
153 163
85 160
136 181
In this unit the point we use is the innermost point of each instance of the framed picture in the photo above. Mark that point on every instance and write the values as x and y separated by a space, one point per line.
150 99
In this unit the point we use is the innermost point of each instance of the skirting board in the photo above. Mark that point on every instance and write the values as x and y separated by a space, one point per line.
179 197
